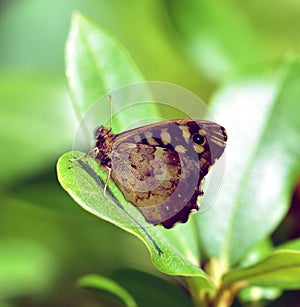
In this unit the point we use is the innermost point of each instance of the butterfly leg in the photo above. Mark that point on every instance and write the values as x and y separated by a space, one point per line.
107 180
93 150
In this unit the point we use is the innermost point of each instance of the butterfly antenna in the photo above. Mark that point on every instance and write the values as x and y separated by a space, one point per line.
110 106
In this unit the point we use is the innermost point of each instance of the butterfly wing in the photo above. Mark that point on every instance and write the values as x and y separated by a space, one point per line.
160 168
156 181
178 133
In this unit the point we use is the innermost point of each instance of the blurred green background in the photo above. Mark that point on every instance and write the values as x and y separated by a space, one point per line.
46 240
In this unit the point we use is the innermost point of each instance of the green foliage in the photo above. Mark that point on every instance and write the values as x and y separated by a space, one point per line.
24 268
245 212
209 27
47 99
242 57
109 286
84 65
265 125
281 270
159 292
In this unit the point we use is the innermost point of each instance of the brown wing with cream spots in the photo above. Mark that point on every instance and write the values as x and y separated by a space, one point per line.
152 179
208 139
160 168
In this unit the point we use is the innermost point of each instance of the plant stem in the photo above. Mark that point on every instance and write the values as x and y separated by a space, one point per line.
199 297
220 296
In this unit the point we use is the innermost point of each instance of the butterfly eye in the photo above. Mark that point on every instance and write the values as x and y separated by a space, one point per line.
198 139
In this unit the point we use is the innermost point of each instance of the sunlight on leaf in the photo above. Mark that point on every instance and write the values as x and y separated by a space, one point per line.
262 160
95 64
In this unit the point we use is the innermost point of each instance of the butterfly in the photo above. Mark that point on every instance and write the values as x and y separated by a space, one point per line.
160 168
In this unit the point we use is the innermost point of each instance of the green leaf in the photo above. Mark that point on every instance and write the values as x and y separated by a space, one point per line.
262 250
151 290
95 64
91 54
31 20
217 36
36 123
107 285
261 114
290 245
81 179
280 270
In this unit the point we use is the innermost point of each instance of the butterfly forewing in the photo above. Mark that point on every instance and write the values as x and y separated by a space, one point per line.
160 167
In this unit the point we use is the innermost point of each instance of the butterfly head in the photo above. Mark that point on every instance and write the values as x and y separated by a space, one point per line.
104 142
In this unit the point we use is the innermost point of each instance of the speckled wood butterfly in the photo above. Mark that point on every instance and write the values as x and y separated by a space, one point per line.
160 168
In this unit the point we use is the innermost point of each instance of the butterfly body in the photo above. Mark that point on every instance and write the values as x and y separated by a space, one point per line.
160 168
